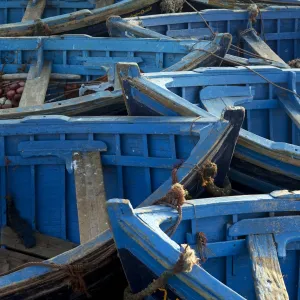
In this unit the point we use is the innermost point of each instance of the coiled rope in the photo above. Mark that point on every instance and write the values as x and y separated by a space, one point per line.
185 263
207 175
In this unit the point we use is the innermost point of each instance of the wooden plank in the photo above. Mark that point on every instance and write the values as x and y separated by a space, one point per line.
103 3
53 76
34 11
36 87
267 276
10 259
90 194
259 47
46 246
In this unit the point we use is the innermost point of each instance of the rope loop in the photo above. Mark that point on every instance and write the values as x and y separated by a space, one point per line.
207 176
185 263
40 28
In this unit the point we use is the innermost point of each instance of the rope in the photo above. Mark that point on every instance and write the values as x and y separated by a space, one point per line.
206 23
201 244
207 175
185 263
295 63
253 13
74 272
175 198
40 28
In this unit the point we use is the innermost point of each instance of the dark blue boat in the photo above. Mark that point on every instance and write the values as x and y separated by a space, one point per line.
267 154
242 247
78 70
57 173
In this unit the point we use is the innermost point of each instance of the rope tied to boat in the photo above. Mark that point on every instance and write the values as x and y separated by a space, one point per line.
253 13
171 6
40 28
184 264
74 272
175 198
295 63
201 244
207 176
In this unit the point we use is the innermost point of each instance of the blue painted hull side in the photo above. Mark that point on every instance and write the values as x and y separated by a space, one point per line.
225 271
279 27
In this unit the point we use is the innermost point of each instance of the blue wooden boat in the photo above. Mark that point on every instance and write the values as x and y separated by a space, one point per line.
48 17
277 28
51 166
242 247
65 74
267 154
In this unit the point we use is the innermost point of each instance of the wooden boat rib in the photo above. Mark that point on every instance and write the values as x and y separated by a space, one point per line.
277 27
83 59
136 157
73 17
246 255
267 156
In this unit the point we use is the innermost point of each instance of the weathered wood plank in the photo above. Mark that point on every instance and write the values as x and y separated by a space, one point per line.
46 246
260 48
90 194
10 259
268 279
53 76
103 3
36 87
34 11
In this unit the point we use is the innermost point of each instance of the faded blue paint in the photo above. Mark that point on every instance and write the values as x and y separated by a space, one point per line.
140 232
138 155
269 138
279 27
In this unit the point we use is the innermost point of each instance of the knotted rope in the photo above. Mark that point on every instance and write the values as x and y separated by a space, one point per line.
253 13
74 272
201 242
207 176
175 198
295 63
40 28
185 263
171 6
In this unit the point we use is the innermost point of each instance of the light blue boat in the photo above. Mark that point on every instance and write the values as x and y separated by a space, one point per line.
267 154
79 74
247 246
276 25
43 180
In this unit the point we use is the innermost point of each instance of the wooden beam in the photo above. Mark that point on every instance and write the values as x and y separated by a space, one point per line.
46 246
34 11
103 3
267 276
90 194
10 259
36 87
259 47
53 76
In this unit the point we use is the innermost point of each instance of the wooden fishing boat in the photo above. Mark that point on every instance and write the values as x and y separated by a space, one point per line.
267 154
66 74
242 247
48 17
270 34
57 172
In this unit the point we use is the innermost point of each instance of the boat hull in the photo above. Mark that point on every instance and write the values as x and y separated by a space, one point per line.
227 262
